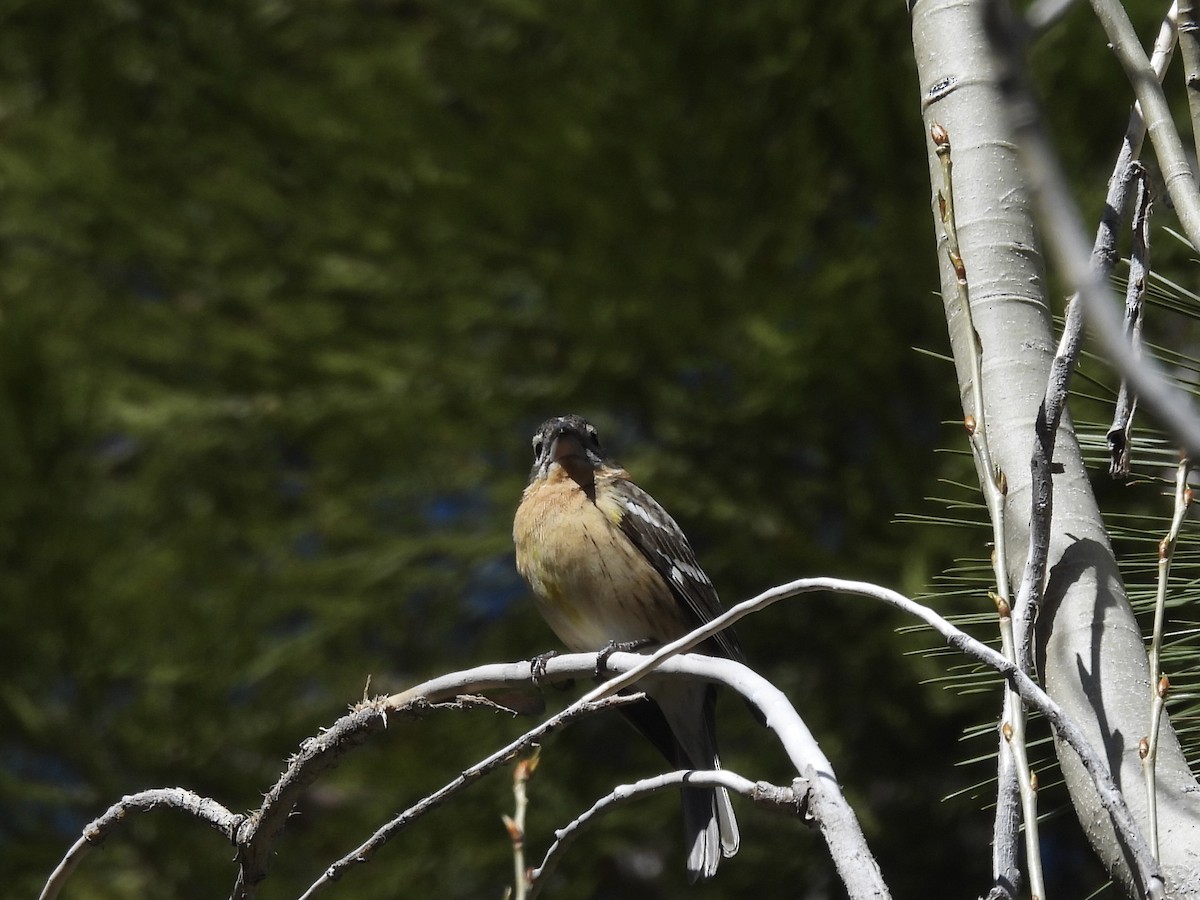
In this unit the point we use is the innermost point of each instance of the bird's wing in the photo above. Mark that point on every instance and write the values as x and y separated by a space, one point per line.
656 535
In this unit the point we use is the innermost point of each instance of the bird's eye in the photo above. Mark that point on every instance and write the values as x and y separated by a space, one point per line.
593 438
537 448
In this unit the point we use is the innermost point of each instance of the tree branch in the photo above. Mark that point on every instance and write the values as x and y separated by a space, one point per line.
202 808
1189 49
1120 433
854 861
1086 626
827 806
1168 147
994 484
794 736
479 679
257 835
786 799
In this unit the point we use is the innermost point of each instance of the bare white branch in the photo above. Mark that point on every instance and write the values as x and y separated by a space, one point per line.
1057 208
1159 684
202 808
478 679
1189 49
1109 794
855 863
1168 146
1093 762
783 798
826 805
995 491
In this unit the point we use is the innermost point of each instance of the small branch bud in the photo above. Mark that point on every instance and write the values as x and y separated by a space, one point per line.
1164 685
956 261
969 424
1033 781
526 767
1007 731
941 137
514 830
1143 748
1002 482
1164 547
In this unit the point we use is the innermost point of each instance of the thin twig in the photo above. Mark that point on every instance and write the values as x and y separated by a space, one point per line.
202 808
1065 235
775 796
1104 257
995 490
258 833
1120 432
515 824
1148 751
1189 49
1159 684
1013 743
1166 553
1168 147
367 849
995 484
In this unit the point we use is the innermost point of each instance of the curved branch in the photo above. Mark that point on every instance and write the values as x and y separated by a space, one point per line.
774 796
202 808
852 857
1110 796
827 806
1168 146
491 676
1066 236
256 836
635 666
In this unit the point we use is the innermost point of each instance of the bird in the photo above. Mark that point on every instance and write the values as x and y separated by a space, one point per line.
609 567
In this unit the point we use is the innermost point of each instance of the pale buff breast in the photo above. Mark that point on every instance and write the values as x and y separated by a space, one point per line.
591 584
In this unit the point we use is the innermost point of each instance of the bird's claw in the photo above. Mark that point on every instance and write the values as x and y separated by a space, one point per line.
616 647
537 666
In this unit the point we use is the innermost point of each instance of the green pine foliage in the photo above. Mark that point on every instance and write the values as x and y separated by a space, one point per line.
285 288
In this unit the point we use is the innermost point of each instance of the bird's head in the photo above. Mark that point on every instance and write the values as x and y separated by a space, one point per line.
567 445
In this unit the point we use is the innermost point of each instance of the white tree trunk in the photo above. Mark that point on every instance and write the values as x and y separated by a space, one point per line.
1090 653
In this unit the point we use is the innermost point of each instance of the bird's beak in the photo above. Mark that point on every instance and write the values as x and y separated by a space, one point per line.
564 447
567 450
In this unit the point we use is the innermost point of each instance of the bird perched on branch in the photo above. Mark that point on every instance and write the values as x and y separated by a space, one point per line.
609 566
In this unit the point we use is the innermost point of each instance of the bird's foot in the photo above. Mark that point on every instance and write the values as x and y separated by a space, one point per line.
537 666
617 647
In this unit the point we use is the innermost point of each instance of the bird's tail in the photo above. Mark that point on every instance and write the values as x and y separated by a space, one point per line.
710 828
680 722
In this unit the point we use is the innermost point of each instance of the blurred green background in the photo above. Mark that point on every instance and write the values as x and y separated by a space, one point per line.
285 288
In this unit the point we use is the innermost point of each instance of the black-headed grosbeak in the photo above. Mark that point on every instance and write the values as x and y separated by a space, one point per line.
608 565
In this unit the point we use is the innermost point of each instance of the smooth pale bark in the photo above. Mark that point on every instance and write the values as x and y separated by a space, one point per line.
1090 653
